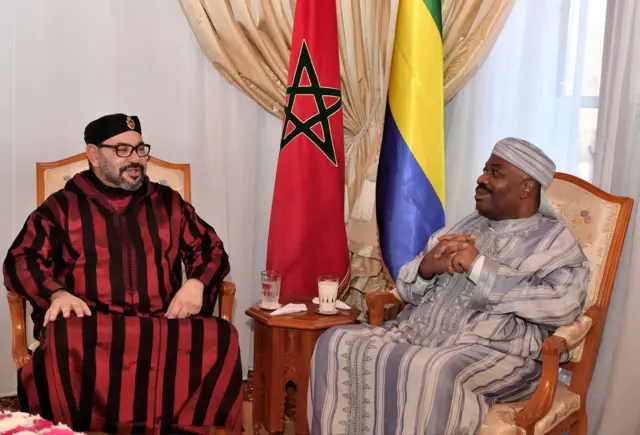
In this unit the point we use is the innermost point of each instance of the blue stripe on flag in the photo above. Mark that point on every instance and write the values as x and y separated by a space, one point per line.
408 208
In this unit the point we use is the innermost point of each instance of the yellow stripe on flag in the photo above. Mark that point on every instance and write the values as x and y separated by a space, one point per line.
416 89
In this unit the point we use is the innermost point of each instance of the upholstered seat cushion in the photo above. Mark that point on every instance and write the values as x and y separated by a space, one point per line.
501 419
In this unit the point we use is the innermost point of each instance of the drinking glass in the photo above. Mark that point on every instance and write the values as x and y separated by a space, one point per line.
328 292
270 281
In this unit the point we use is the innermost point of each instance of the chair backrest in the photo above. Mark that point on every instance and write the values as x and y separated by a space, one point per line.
599 223
52 176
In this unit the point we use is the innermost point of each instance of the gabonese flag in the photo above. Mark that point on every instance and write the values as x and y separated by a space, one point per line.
307 236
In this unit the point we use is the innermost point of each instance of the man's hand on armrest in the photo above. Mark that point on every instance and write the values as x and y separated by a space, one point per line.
64 302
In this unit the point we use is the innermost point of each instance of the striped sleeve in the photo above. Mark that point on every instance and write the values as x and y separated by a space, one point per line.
410 285
203 252
28 267
552 293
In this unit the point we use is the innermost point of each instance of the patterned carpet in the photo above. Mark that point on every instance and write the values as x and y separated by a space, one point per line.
11 404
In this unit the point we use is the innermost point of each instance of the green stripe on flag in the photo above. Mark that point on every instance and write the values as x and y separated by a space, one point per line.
435 7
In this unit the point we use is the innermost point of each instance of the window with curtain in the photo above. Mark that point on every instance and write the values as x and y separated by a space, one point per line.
582 25
540 83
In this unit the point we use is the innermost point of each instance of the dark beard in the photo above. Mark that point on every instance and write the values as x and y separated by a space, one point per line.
119 180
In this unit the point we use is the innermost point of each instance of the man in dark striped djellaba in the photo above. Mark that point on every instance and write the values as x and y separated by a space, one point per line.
126 344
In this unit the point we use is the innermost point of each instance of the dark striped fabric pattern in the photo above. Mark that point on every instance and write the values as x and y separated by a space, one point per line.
125 368
132 374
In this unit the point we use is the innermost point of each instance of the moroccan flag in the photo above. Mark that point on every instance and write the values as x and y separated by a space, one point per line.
410 183
307 236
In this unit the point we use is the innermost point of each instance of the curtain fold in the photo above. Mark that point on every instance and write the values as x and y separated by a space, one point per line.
248 42
250 50
613 394
470 29
366 40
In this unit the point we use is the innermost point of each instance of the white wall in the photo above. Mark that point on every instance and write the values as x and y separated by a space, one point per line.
67 62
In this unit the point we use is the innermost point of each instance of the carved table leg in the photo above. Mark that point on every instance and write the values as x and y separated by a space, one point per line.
258 383
274 381
306 346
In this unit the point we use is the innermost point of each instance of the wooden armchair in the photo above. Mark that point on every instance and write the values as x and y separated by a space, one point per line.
51 177
599 222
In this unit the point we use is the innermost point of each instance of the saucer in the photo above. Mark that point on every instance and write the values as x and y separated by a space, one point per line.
270 307
328 313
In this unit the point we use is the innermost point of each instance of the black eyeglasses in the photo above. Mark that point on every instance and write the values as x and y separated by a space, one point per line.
125 150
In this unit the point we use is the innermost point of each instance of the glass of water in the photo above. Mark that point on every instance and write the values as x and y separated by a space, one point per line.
270 281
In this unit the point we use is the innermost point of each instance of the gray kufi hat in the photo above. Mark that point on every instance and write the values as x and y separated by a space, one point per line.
533 161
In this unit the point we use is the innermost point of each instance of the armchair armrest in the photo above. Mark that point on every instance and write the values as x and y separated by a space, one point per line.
227 296
375 305
19 350
576 333
541 401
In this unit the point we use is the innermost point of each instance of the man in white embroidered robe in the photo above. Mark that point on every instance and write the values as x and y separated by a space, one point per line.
482 298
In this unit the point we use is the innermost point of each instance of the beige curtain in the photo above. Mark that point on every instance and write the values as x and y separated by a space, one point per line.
248 41
470 29
612 401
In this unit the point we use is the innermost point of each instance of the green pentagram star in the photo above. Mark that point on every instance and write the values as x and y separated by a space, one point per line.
324 112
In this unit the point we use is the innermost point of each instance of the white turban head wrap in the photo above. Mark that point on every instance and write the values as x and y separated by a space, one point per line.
532 161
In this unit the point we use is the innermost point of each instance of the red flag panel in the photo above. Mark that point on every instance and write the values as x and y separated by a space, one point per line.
307 236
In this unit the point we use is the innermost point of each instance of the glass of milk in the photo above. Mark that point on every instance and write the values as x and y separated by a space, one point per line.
328 293
270 281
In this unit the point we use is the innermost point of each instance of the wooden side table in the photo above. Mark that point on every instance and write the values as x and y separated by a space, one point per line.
283 346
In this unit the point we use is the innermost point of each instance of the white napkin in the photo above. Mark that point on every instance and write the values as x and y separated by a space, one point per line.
339 304
290 308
